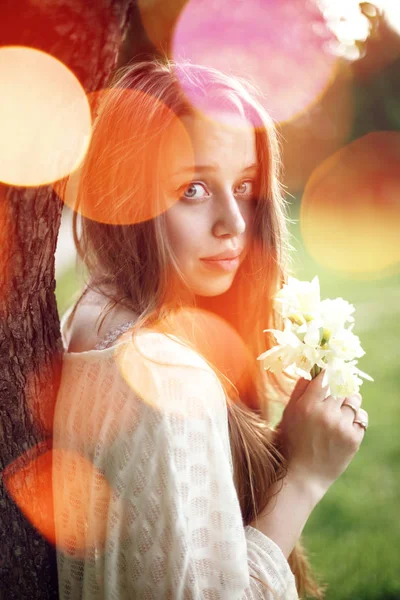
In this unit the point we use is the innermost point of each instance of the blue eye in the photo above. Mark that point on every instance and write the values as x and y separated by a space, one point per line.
189 191
246 187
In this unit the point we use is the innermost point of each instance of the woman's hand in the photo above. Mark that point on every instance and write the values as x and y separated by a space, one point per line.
317 434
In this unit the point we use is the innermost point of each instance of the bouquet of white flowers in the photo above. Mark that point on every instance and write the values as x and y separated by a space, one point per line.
315 338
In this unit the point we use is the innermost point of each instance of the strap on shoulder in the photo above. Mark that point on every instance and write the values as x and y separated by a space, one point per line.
113 335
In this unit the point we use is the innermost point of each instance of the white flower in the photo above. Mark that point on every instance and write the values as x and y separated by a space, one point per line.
296 371
335 313
289 347
291 352
305 362
312 333
287 336
278 358
345 345
343 378
315 333
298 297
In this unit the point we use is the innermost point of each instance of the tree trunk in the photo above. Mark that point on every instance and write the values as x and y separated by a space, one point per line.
86 36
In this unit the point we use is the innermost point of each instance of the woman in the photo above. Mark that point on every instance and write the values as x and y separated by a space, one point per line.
168 480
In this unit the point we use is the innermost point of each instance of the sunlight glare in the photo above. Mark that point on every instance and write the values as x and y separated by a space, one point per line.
391 8
281 46
45 118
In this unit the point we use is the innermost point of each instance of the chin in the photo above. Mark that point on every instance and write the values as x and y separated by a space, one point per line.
215 288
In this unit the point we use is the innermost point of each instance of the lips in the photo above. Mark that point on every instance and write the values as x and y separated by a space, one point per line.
227 255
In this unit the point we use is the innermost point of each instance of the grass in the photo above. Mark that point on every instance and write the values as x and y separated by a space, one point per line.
353 535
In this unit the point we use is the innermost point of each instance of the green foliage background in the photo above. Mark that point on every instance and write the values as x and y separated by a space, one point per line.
353 535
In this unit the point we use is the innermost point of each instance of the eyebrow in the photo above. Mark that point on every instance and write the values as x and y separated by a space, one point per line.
204 168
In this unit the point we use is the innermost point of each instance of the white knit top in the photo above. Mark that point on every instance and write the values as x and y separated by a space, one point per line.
144 498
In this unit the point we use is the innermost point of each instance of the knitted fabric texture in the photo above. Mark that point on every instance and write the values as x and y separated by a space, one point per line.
144 498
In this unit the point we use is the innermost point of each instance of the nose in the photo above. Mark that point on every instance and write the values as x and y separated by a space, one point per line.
229 220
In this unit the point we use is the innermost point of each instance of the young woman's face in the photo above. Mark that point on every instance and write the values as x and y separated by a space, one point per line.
214 212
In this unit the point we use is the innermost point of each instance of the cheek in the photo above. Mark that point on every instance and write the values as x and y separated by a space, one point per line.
248 211
183 246
182 237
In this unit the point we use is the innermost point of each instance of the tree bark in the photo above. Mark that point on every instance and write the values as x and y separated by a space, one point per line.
86 36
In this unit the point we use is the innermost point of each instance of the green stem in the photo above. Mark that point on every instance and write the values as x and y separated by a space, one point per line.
315 371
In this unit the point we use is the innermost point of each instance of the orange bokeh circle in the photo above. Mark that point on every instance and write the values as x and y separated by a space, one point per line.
63 495
193 338
126 176
350 212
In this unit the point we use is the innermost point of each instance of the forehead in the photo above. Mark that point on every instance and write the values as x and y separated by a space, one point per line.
225 142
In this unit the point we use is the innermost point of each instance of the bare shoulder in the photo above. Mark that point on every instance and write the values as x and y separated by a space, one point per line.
84 332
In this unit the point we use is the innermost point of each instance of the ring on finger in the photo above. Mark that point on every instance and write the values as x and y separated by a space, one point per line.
363 424
353 408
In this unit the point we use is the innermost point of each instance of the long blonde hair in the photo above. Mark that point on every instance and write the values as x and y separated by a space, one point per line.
136 258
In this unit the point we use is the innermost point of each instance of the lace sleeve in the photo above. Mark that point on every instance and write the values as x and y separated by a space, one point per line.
174 526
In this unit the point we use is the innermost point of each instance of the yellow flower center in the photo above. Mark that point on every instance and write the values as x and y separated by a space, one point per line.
298 319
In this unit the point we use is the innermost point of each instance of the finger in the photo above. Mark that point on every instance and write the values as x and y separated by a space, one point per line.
362 415
351 415
316 392
299 389
355 400
348 405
